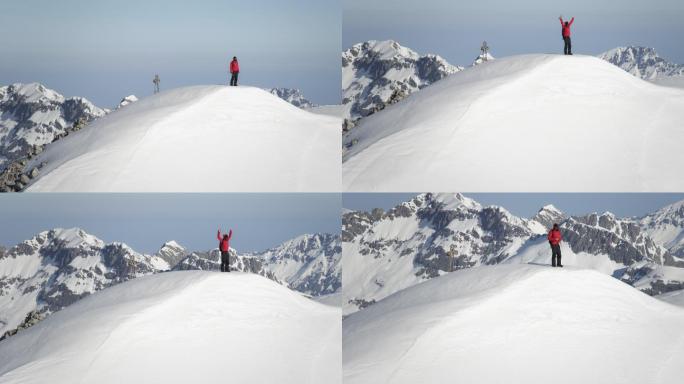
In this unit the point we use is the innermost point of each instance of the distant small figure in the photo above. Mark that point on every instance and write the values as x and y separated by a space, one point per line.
485 50
234 71
156 82
224 247
555 238
567 49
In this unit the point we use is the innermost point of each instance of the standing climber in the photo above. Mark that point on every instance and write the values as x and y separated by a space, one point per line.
156 82
224 247
555 238
567 49
234 71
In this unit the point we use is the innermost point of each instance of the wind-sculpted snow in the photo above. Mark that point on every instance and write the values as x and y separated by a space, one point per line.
182 327
518 324
201 138
531 123
433 234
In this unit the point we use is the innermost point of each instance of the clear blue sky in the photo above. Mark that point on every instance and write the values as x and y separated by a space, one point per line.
455 29
146 221
105 50
527 204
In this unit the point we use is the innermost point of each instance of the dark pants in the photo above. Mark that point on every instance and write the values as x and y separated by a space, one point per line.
225 262
555 255
233 78
568 46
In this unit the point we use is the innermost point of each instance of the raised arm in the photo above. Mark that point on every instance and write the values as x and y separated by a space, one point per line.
218 235
230 234
571 20
561 19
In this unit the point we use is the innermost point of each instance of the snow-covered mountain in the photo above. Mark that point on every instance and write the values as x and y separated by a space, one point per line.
32 115
489 125
58 267
666 226
187 139
516 324
384 252
376 74
182 327
432 234
293 96
130 99
307 263
642 62
482 58
549 215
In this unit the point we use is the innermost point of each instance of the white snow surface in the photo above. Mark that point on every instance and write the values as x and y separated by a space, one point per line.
200 138
182 327
575 121
516 324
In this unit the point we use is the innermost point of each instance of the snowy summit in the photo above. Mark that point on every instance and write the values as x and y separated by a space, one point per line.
532 122
182 327
201 138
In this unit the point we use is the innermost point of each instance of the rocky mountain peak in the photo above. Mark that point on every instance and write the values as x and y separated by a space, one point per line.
642 62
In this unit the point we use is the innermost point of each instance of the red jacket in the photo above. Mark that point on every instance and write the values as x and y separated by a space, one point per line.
224 244
554 236
234 66
566 29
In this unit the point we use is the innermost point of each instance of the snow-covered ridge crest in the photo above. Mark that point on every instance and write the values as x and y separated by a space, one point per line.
513 314
185 327
181 139
464 132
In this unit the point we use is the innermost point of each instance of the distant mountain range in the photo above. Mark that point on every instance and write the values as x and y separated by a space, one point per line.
293 96
32 116
378 73
432 234
55 268
642 62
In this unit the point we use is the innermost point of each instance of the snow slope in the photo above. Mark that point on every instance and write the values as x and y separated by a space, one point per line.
182 327
201 138
516 324
529 123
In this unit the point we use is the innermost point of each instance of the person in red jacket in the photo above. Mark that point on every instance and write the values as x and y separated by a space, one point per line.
234 71
567 50
555 238
224 247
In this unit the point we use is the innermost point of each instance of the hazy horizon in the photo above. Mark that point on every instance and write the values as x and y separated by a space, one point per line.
104 52
146 221
455 30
